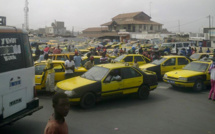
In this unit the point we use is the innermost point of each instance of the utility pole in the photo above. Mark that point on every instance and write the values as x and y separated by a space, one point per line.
179 26
26 10
209 27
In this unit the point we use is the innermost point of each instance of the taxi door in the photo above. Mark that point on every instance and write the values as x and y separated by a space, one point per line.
59 71
112 86
208 76
140 60
168 65
40 76
181 62
132 80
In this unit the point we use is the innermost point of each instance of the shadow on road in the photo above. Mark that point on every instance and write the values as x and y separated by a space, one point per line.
189 90
122 102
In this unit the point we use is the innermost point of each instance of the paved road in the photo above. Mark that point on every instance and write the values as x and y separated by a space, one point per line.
167 111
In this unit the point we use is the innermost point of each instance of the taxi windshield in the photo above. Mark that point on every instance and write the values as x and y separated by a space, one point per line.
118 59
195 56
96 73
159 61
195 66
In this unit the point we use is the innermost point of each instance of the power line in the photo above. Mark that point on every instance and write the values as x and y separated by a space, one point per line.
188 22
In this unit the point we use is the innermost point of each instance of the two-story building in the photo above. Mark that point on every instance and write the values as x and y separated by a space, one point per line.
137 25
133 22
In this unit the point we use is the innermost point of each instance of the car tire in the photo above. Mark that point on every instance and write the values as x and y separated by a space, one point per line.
173 86
88 100
198 86
143 92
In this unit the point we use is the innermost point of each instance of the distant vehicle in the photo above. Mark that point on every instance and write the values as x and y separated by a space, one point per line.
198 56
107 80
59 67
194 74
17 92
129 58
166 64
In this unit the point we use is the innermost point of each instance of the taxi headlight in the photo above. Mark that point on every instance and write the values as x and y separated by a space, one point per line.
69 93
165 76
182 78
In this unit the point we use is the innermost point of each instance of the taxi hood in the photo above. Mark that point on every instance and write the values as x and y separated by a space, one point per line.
147 66
74 83
183 73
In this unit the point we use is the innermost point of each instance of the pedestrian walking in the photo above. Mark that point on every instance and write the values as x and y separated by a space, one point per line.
50 74
56 123
89 64
37 53
77 59
69 67
57 50
212 76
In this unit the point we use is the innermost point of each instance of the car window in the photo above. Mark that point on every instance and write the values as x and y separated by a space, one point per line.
128 59
39 69
61 57
179 45
182 61
58 67
96 61
129 73
203 55
186 44
170 62
138 58
113 75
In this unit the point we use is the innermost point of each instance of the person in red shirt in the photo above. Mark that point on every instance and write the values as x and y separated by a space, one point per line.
46 50
57 50
57 123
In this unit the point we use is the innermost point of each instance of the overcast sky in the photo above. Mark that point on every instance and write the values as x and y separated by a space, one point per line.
82 14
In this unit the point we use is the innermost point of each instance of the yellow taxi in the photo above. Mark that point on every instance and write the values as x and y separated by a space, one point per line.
63 56
166 64
52 42
81 49
195 75
198 56
107 80
96 60
40 75
129 58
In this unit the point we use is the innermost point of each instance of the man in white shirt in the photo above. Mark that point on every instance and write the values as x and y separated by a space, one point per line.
69 67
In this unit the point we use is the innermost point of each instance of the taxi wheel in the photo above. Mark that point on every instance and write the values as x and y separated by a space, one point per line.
143 92
198 86
88 100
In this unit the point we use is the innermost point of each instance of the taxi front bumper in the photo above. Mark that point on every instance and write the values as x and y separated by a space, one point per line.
178 83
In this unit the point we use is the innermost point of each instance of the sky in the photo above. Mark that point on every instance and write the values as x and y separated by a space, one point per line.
192 15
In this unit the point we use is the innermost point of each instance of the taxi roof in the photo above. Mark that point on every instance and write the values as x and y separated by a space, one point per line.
113 65
53 61
171 56
201 61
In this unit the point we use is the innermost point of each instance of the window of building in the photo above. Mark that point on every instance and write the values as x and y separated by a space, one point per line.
144 27
151 27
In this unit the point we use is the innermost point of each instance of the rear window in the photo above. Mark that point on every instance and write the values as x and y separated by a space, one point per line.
15 52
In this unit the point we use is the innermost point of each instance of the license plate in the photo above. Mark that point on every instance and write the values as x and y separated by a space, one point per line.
171 81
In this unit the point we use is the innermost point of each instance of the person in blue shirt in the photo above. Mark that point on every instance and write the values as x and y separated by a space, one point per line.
183 52
77 60
208 51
